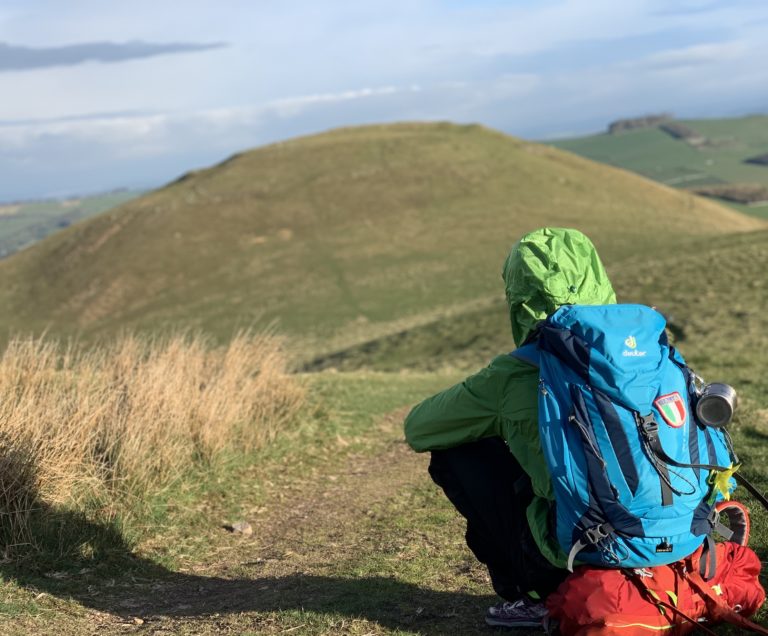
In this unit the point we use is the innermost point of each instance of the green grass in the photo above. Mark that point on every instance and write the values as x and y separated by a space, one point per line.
393 562
654 154
397 564
25 223
183 529
337 238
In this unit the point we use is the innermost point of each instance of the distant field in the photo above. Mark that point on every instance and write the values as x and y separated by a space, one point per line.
677 163
24 223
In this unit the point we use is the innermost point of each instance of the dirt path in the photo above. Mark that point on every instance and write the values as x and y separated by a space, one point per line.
309 566
296 537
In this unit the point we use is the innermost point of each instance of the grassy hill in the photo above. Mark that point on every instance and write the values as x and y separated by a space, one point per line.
717 156
341 237
712 292
25 222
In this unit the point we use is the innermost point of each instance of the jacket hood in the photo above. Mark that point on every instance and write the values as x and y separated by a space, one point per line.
548 268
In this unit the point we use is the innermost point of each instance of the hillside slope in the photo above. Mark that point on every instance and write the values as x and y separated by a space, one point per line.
718 155
713 294
348 234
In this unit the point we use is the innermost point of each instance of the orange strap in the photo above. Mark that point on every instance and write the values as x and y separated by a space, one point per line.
717 608
653 598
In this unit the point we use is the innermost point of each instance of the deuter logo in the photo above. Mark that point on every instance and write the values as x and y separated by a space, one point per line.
632 352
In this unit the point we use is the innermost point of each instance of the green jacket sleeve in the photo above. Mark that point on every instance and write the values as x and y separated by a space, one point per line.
465 412
499 401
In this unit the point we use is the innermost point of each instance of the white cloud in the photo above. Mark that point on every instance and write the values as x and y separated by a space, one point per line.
292 106
299 66
715 53
127 131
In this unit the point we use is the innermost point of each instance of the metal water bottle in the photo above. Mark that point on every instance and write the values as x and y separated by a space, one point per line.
716 404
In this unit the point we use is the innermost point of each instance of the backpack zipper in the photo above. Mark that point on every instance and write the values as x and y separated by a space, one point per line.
585 435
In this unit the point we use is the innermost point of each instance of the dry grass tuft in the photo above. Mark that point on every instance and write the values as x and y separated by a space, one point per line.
106 424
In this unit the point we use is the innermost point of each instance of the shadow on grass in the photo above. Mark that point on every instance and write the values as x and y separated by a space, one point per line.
755 435
113 579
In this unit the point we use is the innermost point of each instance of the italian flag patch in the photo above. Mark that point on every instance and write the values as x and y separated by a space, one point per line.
672 409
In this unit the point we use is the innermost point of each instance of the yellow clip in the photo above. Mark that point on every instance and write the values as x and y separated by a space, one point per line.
718 590
673 597
720 480
657 598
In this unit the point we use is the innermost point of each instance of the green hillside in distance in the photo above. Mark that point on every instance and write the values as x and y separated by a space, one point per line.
713 293
339 237
718 156
26 222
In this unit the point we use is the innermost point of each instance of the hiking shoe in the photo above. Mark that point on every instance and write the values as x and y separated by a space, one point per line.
521 613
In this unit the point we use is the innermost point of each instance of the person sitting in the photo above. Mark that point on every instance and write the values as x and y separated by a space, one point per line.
484 438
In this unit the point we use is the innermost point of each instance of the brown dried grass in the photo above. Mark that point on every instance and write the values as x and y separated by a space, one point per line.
105 424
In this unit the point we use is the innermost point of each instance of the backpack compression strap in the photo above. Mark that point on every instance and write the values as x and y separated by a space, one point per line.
652 597
717 607
529 353
743 481
649 428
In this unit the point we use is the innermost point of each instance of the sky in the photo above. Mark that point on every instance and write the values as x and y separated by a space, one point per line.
101 95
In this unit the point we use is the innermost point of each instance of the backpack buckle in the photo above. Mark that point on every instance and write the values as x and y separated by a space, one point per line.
597 533
718 526
590 537
648 426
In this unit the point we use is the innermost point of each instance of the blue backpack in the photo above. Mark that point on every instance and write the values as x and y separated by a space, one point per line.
632 469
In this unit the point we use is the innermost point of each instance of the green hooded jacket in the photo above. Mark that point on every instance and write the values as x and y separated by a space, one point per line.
547 268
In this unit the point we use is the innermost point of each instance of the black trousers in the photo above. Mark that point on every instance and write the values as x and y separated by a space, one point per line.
489 488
